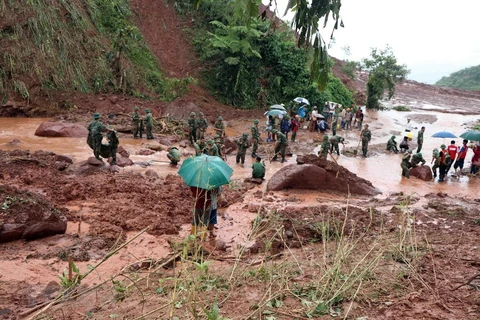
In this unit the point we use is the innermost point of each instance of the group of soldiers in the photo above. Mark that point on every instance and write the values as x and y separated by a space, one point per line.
330 145
139 123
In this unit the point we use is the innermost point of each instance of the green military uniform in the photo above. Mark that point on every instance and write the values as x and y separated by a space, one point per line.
325 147
174 155
219 128
416 159
334 142
436 161
199 147
202 126
255 137
280 146
242 146
392 144
136 123
94 139
366 136
112 146
148 124
192 128
334 123
419 140
406 164
211 149
258 170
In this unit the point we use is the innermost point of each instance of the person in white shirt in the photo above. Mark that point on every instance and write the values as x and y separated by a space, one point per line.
332 111
313 119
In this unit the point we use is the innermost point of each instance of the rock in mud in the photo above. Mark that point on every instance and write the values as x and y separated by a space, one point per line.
155 146
183 144
307 176
230 144
124 153
62 158
335 178
61 129
123 161
145 152
114 168
27 215
84 168
151 174
165 142
14 142
95 162
61 165
422 172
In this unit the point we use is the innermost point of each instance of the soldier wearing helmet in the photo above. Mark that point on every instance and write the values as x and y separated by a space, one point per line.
242 145
280 145
192 128
219 128
211 148
255 137
136 123
202 126
325 147
95 136
148 120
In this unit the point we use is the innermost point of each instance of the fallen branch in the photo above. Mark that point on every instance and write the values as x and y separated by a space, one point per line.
469 283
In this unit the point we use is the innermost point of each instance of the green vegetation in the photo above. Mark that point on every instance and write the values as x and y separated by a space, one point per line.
385 73
252 66
349 68
64 46
467 79
401 108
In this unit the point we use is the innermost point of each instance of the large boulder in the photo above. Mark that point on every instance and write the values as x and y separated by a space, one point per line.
28 215
422 172
296 176
61 129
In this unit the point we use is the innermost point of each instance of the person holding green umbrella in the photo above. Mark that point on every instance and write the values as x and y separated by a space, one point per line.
202 174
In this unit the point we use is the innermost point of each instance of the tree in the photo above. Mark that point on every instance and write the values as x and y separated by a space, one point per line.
385 73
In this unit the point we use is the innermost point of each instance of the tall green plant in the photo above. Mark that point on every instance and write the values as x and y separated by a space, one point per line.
385 73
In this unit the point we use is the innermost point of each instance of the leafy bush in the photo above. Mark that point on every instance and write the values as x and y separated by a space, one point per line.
467 79
401 108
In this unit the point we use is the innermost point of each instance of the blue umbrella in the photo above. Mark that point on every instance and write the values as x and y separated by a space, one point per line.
444 134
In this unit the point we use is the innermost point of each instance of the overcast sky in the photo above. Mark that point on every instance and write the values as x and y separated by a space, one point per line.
432 37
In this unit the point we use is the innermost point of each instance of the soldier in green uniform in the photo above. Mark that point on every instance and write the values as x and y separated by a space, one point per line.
94 139
242 145
199 146
258 169
392 144
335 123
211 149
148 120
406 164
334 142
255 137
416 159
280 145
420 139
192 128
325 147
366 136
174 155
112 146
202 126
219 128
435 161
136 123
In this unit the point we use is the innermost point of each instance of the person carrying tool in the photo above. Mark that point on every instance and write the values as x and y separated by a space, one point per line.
392 144
366 136
211 149
334 141
405 165
325 147
280 146
436 159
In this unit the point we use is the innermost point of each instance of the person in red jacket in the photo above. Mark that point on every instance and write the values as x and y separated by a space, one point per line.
295 123
452 151
475 159
462 153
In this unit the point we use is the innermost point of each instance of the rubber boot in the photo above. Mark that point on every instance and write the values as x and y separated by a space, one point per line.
203 233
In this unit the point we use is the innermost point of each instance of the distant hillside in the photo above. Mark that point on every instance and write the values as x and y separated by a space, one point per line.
467 79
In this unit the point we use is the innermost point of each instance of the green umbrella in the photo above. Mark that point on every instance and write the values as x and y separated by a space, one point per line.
471 135
277 107
205 172
275 112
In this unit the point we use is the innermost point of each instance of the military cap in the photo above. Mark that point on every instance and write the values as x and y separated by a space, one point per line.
147 110
220 118
274 131
136 108
210 141
192 114
443 146
200 113
96 115
255 121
